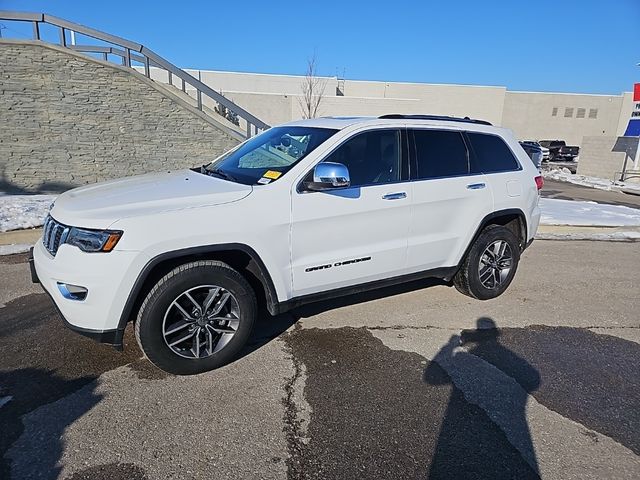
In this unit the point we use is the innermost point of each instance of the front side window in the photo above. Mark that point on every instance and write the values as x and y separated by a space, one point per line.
372 157
440 153
491 154
268 156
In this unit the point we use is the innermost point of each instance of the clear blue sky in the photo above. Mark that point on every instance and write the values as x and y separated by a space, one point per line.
588 46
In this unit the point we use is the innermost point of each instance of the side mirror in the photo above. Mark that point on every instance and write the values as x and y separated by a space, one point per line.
329 175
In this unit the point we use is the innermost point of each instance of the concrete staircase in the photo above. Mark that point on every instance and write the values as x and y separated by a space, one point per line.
69 120
142 59
91 111
190 97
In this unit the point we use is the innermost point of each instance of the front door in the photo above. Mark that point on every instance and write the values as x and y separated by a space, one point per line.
357 234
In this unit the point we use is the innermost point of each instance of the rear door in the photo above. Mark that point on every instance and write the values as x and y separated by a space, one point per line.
448 200
490 155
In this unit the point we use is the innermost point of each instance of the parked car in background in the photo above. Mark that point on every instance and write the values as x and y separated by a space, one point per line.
553 146
568 153
534 151
559 151
545 150
545 153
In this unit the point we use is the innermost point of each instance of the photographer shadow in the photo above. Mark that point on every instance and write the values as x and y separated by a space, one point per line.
461 451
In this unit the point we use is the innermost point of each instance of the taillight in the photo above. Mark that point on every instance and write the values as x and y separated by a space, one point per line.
539 182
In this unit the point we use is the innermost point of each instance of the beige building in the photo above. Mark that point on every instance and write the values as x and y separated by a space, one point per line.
531 115
593 122
564 116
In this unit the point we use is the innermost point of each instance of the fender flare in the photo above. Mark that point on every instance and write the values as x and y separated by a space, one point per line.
262 273
487 220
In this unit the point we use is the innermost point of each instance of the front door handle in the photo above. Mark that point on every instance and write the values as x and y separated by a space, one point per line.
394 196
476 186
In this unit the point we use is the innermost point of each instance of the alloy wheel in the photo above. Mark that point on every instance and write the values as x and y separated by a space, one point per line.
495 264
201 321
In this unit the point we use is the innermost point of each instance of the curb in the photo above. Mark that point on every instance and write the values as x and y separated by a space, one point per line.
630 191
603 234
15 237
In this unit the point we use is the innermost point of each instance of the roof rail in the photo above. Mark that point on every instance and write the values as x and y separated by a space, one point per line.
442 118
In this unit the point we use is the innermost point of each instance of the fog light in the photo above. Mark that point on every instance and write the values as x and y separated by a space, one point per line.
72 292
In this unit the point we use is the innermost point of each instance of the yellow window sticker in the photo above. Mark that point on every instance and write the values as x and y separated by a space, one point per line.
272 174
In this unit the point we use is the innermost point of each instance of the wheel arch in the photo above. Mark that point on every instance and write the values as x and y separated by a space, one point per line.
512 218
239 256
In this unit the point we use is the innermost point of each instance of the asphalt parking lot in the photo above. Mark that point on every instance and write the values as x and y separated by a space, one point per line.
415 381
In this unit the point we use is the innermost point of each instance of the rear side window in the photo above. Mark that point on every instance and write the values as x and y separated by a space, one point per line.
440 153
491 154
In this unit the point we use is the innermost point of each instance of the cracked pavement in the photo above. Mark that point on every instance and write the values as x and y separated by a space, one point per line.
413 381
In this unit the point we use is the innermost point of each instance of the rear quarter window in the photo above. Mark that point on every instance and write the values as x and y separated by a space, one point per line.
491 154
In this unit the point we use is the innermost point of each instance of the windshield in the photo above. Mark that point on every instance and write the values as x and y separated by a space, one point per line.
268 156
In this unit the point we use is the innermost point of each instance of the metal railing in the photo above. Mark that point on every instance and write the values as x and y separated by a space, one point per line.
129 51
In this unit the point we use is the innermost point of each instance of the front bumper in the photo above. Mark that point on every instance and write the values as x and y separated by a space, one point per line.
32 268
110 337
108 278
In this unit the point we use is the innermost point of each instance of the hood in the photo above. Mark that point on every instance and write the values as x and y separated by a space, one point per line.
101 204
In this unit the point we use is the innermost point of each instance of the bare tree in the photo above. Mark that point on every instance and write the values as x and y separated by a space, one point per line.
312 90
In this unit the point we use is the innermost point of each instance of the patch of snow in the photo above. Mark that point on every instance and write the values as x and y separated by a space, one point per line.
565 175
23 211
587 214
608 237
14 248
630 188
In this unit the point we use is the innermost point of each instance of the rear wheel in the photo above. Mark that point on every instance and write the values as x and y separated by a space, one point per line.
196 318
490 264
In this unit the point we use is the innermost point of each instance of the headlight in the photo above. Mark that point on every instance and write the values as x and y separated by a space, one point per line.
93 240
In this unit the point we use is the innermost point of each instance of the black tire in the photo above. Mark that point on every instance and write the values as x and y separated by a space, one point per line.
467 279
151 316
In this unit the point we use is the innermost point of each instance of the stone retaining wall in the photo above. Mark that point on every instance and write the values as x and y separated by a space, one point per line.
69 120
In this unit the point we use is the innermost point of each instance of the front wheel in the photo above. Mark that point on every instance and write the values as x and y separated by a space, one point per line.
196 318
490 264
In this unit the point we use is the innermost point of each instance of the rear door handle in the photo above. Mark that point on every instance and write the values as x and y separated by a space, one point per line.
476 186
394 196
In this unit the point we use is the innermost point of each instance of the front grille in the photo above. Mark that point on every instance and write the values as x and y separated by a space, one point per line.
53 235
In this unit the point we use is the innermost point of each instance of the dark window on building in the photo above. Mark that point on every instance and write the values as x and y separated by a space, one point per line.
568 112
371 157
554 112
440 153
580 113
593 113
491 154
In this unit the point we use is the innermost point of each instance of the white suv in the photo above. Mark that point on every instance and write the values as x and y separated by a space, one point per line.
306 211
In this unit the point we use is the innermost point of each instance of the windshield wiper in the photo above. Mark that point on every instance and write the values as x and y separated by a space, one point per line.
221 174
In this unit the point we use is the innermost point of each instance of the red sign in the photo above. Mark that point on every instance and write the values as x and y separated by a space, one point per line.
636 92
